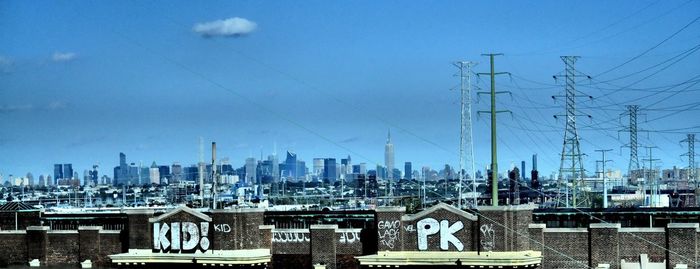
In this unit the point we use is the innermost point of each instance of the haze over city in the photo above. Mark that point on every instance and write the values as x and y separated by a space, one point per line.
82 81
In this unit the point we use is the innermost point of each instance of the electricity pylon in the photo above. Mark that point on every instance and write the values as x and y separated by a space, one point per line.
690 139
571 166
466 142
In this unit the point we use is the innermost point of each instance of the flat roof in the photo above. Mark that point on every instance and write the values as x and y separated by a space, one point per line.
510 259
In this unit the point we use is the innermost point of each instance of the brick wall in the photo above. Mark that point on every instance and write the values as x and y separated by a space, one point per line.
565 248
14 248
63 247
389 228
323 245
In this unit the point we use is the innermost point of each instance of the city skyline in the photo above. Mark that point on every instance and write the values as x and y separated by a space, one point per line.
94 85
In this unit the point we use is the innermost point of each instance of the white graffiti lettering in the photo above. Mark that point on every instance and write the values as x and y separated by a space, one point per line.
430 226
185 236
409 228
488 237
388 232
290 237
224 228
349 237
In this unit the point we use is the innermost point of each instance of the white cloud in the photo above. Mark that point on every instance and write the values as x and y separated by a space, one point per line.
63 56
229 27
56 105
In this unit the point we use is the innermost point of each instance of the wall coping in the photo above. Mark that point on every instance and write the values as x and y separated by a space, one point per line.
345 230
401 209
138 211
683 225
605 226
63 231
565 230
239 210
293 230
266 227
523 207
537 226
13 232
643 230
89 228
38 228
110 231
323 227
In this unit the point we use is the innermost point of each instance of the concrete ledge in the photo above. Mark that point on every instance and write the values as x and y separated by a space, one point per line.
401 209
291 230
565 230
324 227
13 232
348 230
110 231
605 226
508 207
238 210
683 226
643 230
63 232
135 211
266 227
89 228
537 226
38 228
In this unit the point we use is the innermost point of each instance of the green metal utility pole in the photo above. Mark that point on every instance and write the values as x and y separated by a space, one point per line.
493 112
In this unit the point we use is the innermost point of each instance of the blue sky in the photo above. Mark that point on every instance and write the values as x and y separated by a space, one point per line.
82 81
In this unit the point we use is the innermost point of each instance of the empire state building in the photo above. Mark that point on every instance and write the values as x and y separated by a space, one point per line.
389 157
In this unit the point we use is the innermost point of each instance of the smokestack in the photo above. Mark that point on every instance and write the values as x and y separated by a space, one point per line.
213 172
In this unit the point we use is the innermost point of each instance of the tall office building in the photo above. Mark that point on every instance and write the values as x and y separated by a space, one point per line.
68 171
176 173
329 170
250 171
318 167
154 174
275 167
57 173
42 181
389 157
408 170
93 176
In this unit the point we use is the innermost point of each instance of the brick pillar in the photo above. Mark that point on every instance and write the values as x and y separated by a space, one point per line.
139 228
323 244
389 232
265 233
506 225
37 239
536 232
89 243
681 244
604 244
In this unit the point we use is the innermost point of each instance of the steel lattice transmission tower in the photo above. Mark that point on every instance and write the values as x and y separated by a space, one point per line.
466 142
690 139
632 112
571 167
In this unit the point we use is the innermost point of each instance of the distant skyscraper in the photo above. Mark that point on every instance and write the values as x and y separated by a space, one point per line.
93 175
154 174
275 167
318 167
329 170
42 180
176 170
30 179
389 156
57 173
68 171
250 171
164 171
408 170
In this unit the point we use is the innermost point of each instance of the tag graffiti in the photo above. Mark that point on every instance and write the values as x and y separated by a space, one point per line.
388 232
349 237
290 237
181 237
430 226
488 237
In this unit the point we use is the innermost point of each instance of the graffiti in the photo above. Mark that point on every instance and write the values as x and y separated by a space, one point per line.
388 232
349 237
409 228
185 236
290 237
225 228
488 237
430 226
